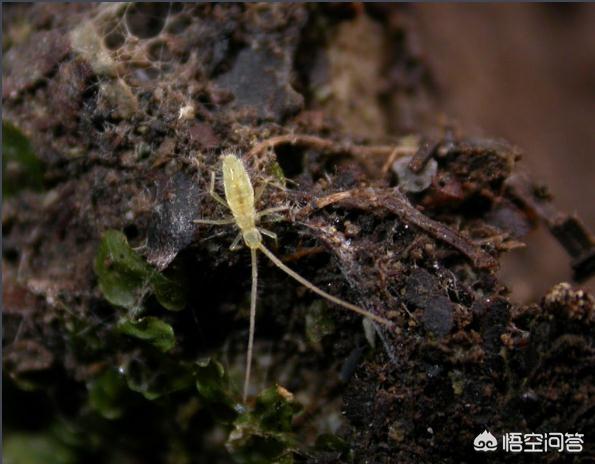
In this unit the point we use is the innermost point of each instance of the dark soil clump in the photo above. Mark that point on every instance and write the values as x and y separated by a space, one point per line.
125 322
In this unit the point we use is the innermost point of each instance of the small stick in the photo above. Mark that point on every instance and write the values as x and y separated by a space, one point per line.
395 202
329 146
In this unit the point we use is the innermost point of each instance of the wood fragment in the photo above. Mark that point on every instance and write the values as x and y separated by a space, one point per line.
328 146
568 230
395 202
423 154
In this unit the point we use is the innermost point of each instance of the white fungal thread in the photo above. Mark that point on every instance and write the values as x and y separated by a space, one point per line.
187 112
239 198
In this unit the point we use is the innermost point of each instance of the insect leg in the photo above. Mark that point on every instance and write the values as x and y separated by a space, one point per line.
235 245
266 212
214 194
215 222
252 321
268 233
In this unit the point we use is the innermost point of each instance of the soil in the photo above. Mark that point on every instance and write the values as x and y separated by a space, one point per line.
335 111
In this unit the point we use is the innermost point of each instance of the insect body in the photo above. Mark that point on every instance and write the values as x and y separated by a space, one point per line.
239 198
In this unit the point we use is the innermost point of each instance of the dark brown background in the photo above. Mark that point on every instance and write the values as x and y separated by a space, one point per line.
525 73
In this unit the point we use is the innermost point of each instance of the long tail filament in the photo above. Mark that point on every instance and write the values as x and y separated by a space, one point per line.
253 293
277 262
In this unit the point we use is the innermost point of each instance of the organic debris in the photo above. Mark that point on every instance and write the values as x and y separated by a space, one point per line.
125 321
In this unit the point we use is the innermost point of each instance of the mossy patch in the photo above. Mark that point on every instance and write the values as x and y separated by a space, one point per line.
125 278
150 329
265 433
21 168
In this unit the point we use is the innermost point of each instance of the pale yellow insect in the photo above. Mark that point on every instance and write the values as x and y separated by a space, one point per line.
239 198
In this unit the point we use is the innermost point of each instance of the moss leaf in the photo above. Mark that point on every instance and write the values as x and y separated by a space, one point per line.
105 393
214 388
319 323
122 273
327 442
275 408
35 448
277 172
211 380
169 292
265 434
151 329
125 278
156 376
20 166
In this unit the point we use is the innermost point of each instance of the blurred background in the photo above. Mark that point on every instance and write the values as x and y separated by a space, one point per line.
524 73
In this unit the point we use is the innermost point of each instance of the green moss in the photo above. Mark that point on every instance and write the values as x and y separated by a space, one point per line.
265 433
261 434
150 329
214 388
125 277
327 442
277 172
105 393
274 410
319 323
154 375
21 169
35 448
169 290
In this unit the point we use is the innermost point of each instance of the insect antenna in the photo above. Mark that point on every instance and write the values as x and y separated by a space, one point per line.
306 283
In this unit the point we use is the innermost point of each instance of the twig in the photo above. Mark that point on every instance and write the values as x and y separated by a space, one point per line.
395 202
329 146
568 230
